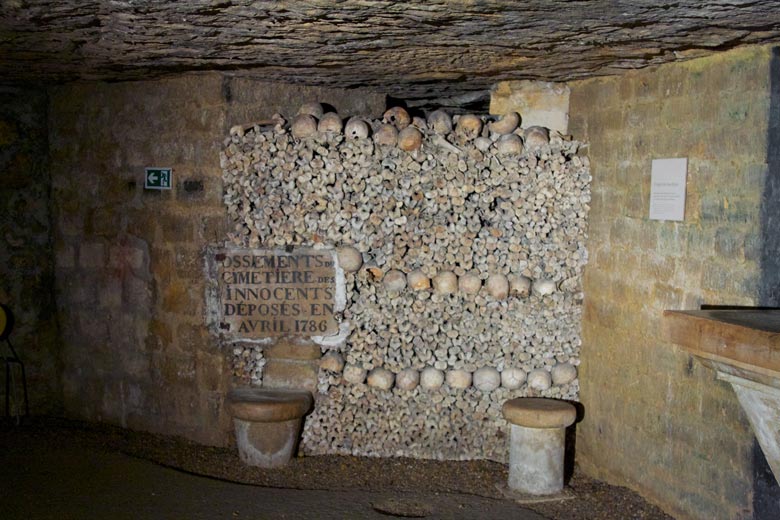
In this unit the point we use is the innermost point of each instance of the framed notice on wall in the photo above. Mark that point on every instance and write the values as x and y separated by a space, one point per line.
667 189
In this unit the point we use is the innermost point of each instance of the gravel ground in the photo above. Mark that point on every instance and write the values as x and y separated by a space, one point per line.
591 500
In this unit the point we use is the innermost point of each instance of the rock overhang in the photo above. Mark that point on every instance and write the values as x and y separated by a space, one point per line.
432 53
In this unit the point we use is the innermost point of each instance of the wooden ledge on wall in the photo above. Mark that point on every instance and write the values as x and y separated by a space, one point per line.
747 339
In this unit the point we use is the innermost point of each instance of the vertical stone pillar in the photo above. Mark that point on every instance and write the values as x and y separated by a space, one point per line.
536 460
537 443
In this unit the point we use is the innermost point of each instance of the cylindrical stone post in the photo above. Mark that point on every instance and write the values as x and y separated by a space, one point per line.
536 460
537 443
267 444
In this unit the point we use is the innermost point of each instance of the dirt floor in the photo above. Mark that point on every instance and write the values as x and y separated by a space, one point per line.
591 500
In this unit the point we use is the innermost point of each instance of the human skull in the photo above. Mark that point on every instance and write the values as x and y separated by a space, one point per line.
397 116
407 379
354 374
482 143
304 125
431 378
419 122
332 361
312 109
509 144
506 124
356 129
349 258
497 286
330 123
469 283
512 378
394 281
386 135
440 122
445 282
543 287
563 374
409 139
417 280
519 286
458 378
486 379
468 127
539 379
536 136
381 378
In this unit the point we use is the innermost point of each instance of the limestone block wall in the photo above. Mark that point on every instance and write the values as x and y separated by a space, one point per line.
129 262
26 265
540 103
466 289
657 420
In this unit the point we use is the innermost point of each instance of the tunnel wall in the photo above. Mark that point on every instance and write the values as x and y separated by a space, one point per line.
26 265
656 420
129 274
129 262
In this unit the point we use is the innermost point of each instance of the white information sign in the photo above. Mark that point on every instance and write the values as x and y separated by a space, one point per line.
667 189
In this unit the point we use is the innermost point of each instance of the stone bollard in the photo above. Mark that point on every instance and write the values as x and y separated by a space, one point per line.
267 424
537 443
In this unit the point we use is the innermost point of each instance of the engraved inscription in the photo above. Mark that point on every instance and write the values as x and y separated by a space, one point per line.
266 293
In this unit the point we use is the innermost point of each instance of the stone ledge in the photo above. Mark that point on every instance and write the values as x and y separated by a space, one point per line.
293 349
291 374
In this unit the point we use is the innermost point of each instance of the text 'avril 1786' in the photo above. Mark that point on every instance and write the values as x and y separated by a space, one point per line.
275 293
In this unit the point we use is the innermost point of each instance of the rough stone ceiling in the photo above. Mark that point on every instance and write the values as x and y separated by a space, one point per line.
421 51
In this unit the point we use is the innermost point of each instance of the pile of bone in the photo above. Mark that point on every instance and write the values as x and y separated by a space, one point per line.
497 285
463 245
485 379
462 200
441 423
247 363
403 375
420 324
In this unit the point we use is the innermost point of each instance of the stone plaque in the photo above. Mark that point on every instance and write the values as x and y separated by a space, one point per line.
266 293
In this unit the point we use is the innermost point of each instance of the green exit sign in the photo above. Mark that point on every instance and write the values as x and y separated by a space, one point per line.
158 178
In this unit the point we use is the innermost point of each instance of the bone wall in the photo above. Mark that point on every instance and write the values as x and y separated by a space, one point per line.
464 254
